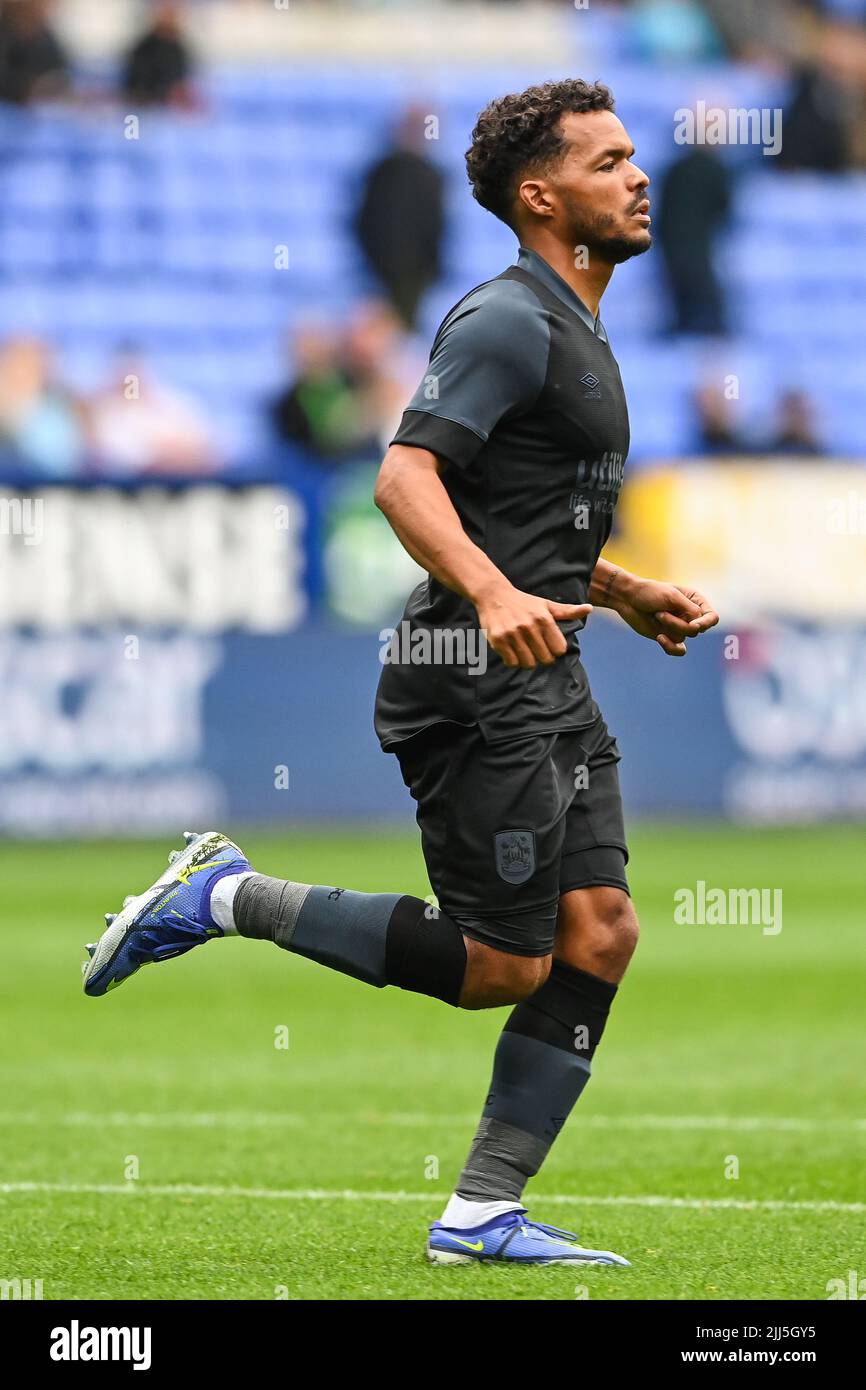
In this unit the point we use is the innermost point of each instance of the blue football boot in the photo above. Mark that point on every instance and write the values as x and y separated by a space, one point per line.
169 918
512 1239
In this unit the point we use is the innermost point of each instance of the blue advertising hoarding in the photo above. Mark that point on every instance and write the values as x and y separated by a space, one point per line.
164 662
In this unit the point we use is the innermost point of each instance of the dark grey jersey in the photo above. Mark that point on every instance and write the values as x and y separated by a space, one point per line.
523 400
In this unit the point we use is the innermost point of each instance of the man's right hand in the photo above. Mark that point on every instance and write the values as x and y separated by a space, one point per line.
522 628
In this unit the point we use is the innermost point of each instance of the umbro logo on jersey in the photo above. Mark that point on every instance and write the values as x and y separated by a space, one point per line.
592 387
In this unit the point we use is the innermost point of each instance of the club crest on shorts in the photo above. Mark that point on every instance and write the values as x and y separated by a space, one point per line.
515 854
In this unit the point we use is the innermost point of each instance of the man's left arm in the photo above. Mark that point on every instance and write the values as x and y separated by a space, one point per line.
666 613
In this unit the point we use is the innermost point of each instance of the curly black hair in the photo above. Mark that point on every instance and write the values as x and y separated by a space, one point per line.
520 132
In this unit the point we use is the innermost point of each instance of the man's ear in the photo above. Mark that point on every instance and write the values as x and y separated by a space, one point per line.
534 194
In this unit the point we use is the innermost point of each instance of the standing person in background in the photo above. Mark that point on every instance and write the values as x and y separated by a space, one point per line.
816 122
159 64
33 64
695 201
400 221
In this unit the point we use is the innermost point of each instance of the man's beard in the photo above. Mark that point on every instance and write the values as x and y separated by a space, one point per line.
594 233
617 249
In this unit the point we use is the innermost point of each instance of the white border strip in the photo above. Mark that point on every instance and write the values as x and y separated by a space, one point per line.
314 1194
264 1119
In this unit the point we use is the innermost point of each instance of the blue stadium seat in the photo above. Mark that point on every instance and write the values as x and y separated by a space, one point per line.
169 240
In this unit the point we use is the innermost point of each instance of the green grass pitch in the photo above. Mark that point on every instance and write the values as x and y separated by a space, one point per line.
176 1152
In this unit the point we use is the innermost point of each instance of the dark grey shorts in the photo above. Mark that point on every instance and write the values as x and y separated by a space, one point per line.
507 828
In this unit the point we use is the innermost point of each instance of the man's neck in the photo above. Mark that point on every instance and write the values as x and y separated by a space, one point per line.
588 282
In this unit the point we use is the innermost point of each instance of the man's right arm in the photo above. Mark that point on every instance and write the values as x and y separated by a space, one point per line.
521 628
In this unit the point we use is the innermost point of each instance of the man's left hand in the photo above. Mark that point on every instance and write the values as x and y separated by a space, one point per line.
666 613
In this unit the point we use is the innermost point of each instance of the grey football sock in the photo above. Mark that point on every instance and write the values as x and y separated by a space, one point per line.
542 1064
501 1161
380 938
268 908
334 926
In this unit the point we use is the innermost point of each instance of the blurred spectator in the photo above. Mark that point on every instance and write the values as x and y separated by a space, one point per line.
317 408
380 366
33 65
717 432
815 124
347 393
695 200
845 9
842 57
159 64
41 426
756 32
795 432
400 221
137 426
715 427
678 30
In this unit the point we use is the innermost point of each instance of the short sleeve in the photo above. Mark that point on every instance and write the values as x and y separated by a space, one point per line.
489 359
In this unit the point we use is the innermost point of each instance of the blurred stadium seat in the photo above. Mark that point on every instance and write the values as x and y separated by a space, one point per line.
189 215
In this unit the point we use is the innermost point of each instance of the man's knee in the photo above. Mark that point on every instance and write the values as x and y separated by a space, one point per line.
619 921
597 930
615 930
494 978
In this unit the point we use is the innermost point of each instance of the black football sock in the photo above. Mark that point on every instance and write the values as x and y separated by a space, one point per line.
381 938
542 1063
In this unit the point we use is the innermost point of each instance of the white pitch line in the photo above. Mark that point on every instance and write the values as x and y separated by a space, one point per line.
287 1120
313 1194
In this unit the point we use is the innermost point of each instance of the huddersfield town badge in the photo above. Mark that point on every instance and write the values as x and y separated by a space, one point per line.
515 855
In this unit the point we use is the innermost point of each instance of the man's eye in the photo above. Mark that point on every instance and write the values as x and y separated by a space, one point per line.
609 167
